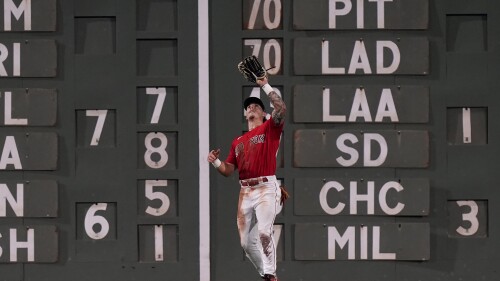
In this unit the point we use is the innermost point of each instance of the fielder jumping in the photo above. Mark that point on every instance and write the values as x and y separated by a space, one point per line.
254 155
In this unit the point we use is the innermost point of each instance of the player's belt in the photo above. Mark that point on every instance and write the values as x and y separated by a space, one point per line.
255 181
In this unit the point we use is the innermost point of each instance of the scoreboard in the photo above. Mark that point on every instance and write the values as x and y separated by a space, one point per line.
389 148
98 140
381 144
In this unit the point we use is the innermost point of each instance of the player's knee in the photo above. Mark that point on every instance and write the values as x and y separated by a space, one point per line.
266 231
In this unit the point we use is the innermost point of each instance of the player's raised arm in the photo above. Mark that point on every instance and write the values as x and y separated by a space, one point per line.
224 168
279 112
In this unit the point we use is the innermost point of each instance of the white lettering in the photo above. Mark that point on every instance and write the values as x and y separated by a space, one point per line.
348 150
162 93
4 54
29 244
325 60
8 112
323 198
356 197
360 20
363 238
380 12
471 217
367 160
158 242
17 60
360 107
349 239
157 195
396 57
10 155
386 102
334 12
326 109
377 255
383 196
359 59
9 8
6 196
335 238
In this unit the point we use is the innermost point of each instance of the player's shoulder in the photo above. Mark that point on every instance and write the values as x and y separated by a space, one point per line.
239 138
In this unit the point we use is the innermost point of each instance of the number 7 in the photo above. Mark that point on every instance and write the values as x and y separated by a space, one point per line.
101 117
161 92
253 14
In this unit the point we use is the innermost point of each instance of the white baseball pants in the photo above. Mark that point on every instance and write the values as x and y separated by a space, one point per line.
257 208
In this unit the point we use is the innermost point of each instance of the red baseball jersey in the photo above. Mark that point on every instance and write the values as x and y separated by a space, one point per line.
254 153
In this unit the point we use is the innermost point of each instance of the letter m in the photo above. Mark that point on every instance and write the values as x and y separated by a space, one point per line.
9 8
335 238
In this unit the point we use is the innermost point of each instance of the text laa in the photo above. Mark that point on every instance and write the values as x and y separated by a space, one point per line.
360 108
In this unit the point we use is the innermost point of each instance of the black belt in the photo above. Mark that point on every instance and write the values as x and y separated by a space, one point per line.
253 181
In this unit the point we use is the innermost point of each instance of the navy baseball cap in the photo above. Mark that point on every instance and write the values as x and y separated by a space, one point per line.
252 100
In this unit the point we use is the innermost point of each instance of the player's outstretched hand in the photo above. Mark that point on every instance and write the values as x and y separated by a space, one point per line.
213 155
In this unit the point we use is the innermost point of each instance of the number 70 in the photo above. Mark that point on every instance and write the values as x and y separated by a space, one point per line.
271 44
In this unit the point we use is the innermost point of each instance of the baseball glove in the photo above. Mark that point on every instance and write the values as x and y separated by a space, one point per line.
251 69
284 195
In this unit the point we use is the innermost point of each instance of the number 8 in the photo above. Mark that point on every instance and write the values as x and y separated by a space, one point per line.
161 150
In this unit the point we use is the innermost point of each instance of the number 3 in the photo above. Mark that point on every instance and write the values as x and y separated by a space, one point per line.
470 216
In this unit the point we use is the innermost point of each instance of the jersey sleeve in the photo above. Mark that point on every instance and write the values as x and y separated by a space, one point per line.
274 129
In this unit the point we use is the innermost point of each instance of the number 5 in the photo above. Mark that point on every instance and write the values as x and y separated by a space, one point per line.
152 195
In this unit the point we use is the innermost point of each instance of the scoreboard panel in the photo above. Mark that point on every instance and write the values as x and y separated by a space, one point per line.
389 150
97 137
388 144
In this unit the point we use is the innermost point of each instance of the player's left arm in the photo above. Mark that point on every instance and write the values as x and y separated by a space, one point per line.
279 112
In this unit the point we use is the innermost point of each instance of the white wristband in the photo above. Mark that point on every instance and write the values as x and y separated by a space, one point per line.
217 163
267 88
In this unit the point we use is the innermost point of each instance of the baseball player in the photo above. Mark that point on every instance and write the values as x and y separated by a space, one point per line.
254 155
